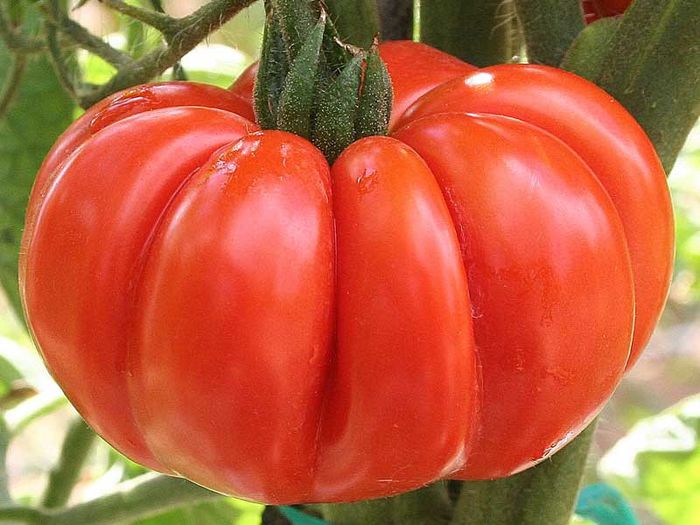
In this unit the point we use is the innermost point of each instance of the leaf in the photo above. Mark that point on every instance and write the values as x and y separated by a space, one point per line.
225 511
658 463
40 112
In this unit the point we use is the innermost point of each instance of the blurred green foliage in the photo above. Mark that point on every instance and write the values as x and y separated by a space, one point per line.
41 110
685 187
658 463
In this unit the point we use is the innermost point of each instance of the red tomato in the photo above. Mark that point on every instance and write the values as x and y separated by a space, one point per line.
455 301
414 69
596 9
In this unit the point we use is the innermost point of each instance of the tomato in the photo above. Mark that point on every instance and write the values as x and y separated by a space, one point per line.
457 300
596 9
414 69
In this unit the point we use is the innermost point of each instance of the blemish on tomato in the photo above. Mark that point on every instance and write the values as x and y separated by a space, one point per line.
368 180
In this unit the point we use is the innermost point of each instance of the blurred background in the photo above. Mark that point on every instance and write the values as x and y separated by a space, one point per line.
647 439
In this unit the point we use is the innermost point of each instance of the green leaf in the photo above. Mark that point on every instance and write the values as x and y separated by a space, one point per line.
223 511
40 112
658 463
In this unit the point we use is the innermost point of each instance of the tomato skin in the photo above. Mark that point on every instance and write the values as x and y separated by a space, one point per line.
77 287
404 377
267 309
456 301
414 68
535 229
611 7
608 139
596 9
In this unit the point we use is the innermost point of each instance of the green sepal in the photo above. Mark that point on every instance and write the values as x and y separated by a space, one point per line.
375 100
587 54
335 54
335 118
296 19
273 69
297 99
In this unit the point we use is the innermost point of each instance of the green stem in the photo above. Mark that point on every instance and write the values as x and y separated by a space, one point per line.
480 32
427 506
542 494
549 27
396 19
357 22
84 38
154 18
139 498
12 82
14 39
77 445
651 65
186 33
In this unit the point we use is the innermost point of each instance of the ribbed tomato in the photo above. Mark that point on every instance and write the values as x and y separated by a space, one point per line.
457 300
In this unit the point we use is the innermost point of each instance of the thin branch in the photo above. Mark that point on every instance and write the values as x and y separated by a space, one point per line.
87 40
76 446
61 67
155 19
186 33
142 497
11 84
17 41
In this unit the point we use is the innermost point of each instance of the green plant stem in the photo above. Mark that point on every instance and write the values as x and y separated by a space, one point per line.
549 27
427 506
77 445
153 18
480 32
357 22
652 66
542 494
186 33
15 40
396 19
84 38
12 82
139 498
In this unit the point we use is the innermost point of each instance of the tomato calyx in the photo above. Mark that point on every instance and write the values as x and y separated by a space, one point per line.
314 85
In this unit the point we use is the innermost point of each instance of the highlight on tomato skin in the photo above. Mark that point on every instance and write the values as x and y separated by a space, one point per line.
584 117
358 330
